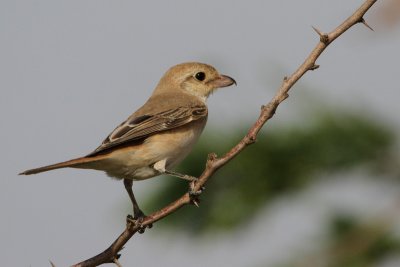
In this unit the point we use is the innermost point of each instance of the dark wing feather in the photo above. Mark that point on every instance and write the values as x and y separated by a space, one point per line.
140 127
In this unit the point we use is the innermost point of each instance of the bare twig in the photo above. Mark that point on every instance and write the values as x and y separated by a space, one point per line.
110 255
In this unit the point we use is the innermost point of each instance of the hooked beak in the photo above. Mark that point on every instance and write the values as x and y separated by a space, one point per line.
222 81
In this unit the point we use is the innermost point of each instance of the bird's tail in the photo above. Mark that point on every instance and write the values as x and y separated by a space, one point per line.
74 163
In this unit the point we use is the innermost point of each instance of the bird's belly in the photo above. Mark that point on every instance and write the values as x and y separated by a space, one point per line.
136 162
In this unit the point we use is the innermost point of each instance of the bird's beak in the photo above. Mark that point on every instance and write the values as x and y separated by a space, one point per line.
222 81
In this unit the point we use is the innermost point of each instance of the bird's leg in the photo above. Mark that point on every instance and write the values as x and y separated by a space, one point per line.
194 195
138 214
160 167
181 176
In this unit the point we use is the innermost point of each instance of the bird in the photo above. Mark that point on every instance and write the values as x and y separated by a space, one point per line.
159 135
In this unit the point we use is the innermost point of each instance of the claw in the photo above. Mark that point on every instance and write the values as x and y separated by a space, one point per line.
197 193
194 194
132 221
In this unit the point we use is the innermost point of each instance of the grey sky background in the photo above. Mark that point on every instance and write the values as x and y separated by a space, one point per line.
70 71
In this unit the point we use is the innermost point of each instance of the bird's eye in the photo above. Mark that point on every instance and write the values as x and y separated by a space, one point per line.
200 76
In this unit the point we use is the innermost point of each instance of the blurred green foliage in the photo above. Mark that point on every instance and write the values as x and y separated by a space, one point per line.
354 243
281 161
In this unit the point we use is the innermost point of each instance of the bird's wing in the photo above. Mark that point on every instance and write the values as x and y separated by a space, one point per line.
137 128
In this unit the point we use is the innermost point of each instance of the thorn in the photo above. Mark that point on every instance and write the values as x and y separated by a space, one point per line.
314 67
317 31
323 37
365 23
194 201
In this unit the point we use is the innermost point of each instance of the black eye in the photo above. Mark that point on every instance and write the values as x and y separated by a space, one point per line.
200 76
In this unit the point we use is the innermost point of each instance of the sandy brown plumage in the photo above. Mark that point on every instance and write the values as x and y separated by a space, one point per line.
159 134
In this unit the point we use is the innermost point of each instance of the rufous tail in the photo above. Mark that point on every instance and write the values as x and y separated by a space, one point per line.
70 163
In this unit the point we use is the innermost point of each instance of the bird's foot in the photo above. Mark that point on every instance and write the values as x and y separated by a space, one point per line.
136 221
194 194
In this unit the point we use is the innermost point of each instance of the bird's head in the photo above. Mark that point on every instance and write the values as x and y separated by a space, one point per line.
197 79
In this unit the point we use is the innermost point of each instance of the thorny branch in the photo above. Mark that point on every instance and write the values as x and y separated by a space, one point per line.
110 255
